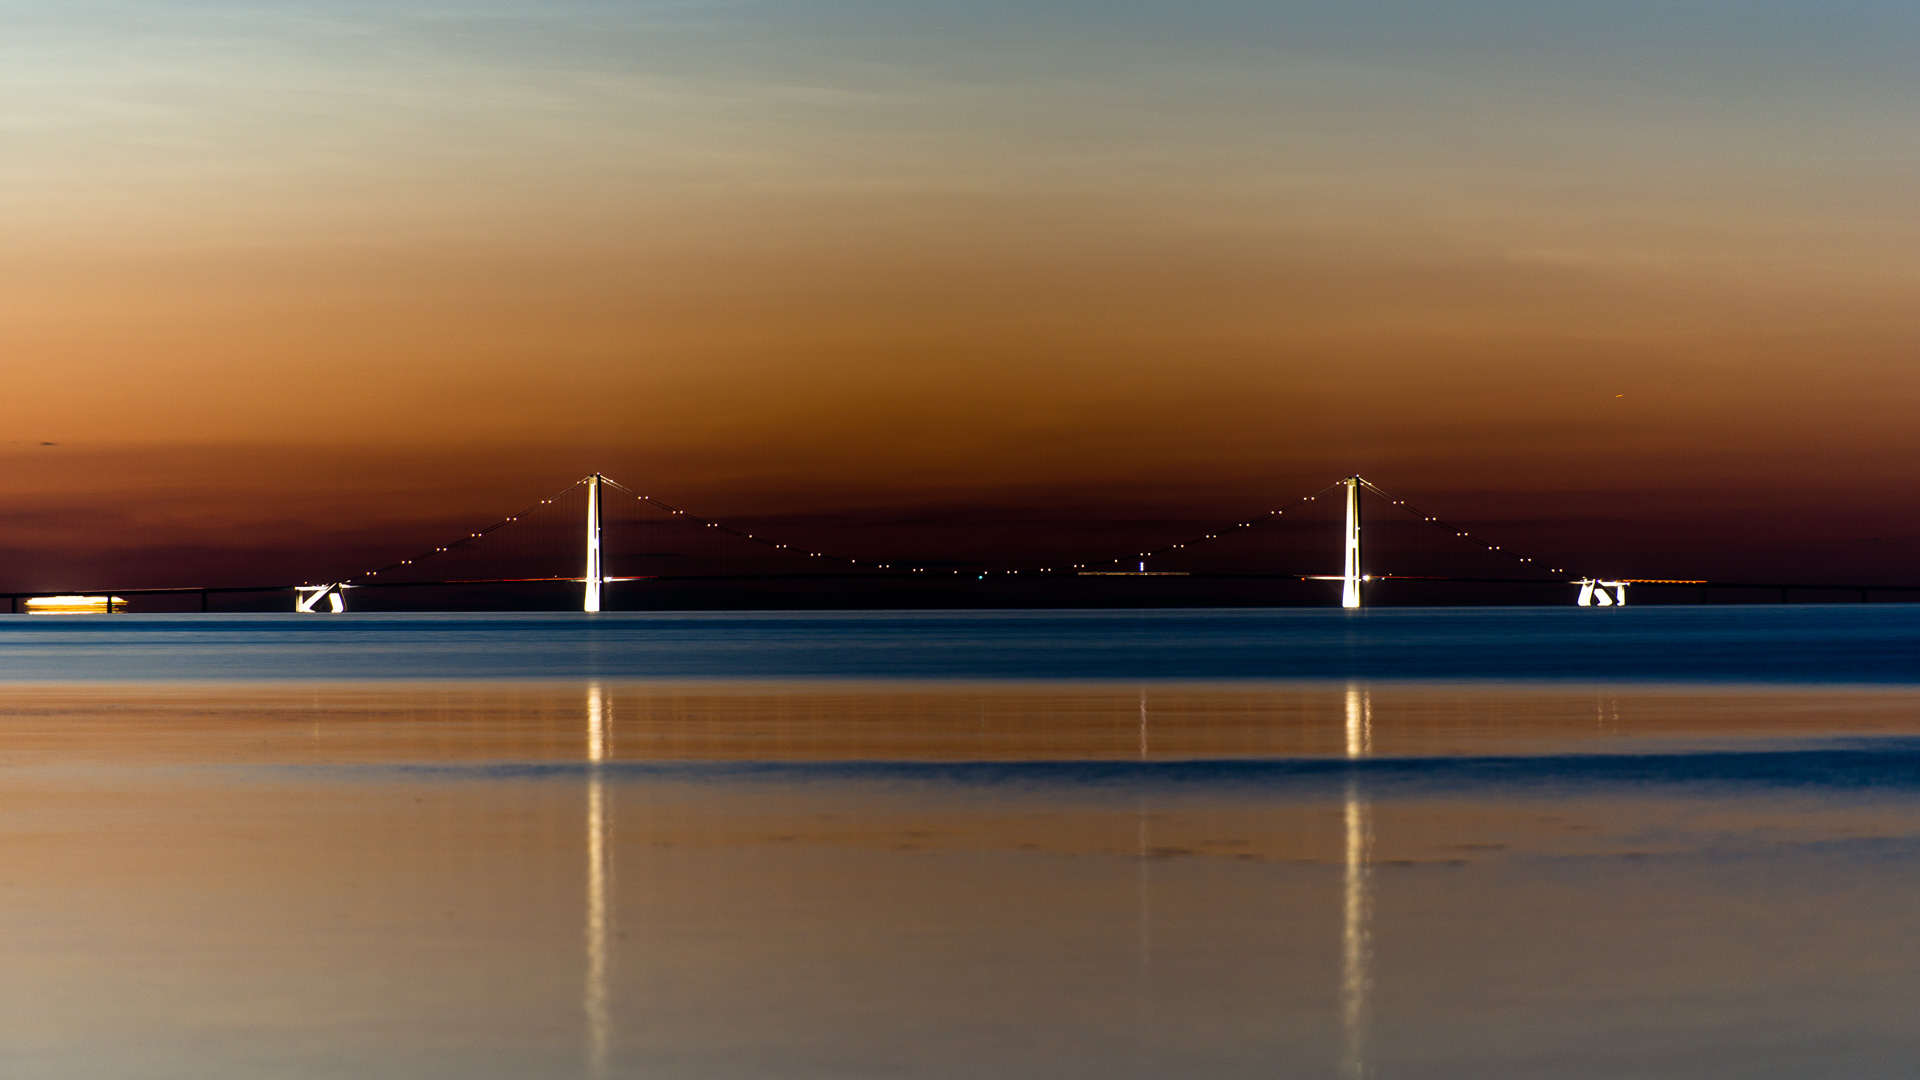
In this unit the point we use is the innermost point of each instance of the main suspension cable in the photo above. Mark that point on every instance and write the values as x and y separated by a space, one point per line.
471 537
1438 523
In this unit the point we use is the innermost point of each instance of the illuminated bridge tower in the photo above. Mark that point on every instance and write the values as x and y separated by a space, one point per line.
1350 569
596 570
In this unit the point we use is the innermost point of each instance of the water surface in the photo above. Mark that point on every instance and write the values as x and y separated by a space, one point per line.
1856 643
253 847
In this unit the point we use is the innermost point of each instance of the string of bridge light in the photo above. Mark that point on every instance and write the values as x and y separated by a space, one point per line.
1463 534
656 503
471 537
1219 533
731 531
1150 553
1369 485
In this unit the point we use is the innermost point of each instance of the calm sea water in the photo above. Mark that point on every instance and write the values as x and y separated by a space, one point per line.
1758 643
1434 844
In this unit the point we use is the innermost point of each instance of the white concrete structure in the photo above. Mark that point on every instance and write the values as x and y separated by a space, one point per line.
1350 569
307 598
596 572
1593 593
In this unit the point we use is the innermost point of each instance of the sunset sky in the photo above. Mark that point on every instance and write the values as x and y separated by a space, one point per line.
1641 280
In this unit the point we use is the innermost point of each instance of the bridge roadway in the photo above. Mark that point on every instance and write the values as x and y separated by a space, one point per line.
207 592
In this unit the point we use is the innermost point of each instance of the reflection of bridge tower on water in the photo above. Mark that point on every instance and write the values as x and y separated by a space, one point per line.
599 880
1356 939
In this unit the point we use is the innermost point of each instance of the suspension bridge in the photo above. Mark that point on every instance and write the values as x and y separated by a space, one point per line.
606 539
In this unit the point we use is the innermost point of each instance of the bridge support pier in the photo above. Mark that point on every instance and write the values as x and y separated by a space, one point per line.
306 598
1593 593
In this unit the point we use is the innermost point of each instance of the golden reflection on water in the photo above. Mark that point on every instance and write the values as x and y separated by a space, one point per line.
424 722
1357 935
1359 721
780 918
1143 725
599 734
1356 939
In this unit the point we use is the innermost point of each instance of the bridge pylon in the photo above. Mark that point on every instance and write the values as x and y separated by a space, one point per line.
596 568
1350 569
